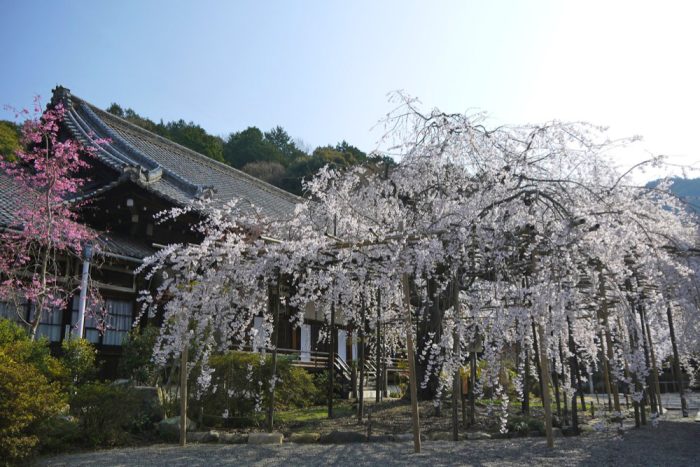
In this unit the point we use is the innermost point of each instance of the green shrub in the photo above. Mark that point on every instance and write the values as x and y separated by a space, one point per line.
26 398
136 363
321 383
524 425
297 389
78 360
15 341
106 413
11 332
58 434
240 389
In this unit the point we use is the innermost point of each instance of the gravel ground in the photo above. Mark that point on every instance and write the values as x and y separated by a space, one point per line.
673 442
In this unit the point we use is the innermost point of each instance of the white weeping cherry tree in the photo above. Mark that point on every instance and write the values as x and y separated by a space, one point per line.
520 238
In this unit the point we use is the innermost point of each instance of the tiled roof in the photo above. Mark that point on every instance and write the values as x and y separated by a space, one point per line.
11 196
120 245
166 168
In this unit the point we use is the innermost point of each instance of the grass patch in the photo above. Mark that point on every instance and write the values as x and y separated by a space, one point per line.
313 414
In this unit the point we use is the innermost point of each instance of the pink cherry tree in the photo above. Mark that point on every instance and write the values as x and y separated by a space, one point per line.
39 243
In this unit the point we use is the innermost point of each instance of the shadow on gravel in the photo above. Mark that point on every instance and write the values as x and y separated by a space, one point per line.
672 443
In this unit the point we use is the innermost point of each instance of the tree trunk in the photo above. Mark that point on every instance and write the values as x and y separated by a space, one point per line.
427 326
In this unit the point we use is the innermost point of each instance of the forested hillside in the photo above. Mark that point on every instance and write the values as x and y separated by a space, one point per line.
273 156
687 189
9 139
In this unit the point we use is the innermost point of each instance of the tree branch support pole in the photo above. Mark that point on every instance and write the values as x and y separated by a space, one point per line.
183 394
544 377
676 361
650 392
538 361
378 375
456 380
525 406
655 369
361 350
575 381
472 385
413 384
333 345
331 362
275 339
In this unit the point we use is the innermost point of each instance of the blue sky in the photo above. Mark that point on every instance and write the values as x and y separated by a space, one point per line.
322 69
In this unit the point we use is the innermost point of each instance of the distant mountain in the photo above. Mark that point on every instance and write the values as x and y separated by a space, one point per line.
688 189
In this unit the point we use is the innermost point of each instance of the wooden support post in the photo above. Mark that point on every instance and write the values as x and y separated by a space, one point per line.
472 384
575 381
378 374
361 351
557 398
544 376
413 383
331 362
525 406
563 378
538 360
183 394
606 372
647 360
579 381
638 412
275 338
456 382
655 369
676 362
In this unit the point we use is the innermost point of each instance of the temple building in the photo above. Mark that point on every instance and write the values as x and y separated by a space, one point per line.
134 176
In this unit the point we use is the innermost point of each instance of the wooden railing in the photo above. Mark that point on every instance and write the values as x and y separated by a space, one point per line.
317 360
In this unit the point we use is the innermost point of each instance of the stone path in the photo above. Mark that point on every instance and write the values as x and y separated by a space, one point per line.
673 442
